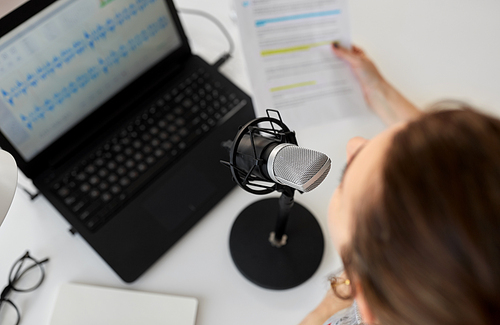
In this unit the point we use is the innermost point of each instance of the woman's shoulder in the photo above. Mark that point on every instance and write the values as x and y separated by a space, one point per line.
348 316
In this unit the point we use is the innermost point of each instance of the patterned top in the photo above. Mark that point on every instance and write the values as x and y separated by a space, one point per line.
348 316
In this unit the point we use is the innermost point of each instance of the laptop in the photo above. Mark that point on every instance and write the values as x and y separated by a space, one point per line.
118 124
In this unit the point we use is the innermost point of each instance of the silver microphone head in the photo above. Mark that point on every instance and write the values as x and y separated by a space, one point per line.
300 168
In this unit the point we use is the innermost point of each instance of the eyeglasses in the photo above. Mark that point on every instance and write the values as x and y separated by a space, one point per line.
26 275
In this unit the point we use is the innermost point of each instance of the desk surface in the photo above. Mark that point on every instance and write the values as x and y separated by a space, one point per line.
429 50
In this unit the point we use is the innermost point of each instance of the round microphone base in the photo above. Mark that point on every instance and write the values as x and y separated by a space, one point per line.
266 265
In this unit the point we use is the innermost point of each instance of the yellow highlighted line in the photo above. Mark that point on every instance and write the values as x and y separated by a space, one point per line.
293 49
297 85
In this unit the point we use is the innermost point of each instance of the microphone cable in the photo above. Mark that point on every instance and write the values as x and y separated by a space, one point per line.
227 55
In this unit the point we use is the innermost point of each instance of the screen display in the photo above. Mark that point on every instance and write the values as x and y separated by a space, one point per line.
66 61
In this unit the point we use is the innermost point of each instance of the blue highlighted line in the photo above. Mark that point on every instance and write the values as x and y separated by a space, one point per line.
262 22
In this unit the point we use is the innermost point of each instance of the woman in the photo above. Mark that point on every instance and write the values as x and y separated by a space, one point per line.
416 218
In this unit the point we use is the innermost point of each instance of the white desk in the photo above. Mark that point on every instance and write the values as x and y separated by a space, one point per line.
430 50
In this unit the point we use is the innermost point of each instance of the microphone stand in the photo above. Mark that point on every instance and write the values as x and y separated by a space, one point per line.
279 259
278 237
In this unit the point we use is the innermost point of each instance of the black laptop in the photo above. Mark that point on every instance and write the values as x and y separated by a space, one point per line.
105 108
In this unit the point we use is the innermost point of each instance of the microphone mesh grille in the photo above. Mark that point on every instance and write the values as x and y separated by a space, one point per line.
295 166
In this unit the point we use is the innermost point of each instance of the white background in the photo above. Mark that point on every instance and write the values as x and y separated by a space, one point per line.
429 49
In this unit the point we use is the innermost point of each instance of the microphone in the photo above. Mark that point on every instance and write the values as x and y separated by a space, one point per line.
283 163
275 243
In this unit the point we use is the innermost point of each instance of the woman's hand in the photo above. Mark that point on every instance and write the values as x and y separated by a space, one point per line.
382 98
366 72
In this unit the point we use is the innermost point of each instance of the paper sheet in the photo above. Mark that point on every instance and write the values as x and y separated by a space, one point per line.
292 68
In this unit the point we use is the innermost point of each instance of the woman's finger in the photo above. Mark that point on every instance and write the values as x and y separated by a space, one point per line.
358 50
344 54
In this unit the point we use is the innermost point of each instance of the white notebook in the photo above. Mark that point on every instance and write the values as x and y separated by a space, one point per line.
79 304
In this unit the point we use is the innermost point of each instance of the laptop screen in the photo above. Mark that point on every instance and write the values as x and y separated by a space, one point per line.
63 63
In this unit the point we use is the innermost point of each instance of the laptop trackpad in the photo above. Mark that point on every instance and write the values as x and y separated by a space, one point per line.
177 199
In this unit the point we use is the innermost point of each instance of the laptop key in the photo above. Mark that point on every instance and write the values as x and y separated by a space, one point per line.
106 197
159 153
84 215
119 159
92 223
69 200
94 193
187 103
183 132
175 138
142 167
81 177
124 181
89 210
103 186
85 187
94 180
167 97
115 189
63 192
133 174
78 206
179 98
121 171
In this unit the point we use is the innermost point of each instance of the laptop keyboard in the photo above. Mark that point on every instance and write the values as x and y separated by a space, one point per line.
95 188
